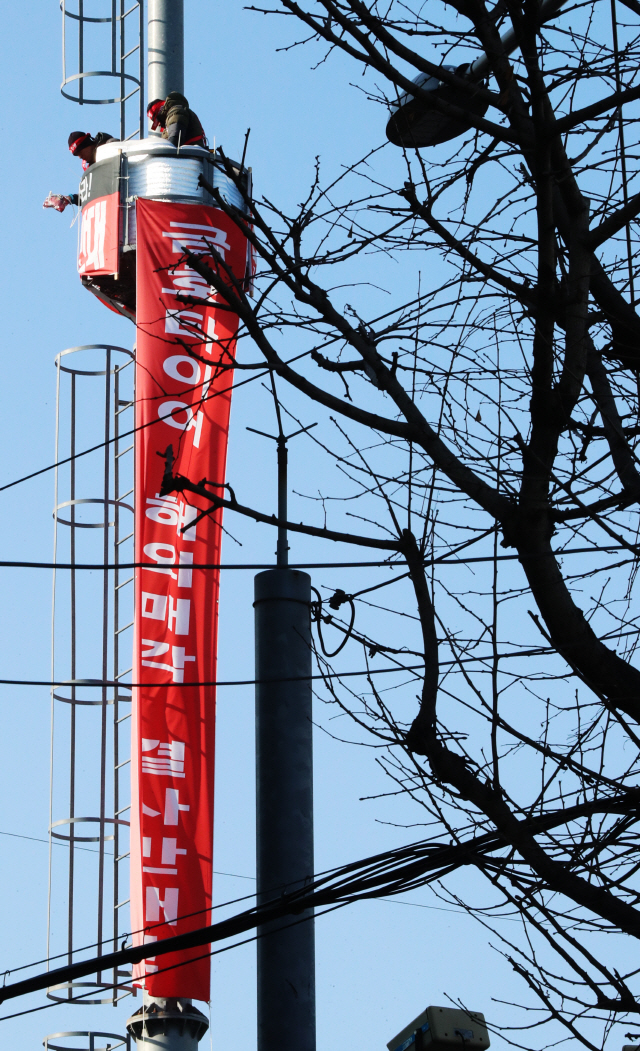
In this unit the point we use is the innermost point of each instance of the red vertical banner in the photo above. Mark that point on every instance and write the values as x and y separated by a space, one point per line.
182 400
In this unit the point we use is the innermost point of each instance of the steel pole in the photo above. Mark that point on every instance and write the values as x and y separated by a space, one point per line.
284 805
165 47
167 1024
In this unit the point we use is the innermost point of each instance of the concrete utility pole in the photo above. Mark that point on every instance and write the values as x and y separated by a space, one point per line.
165 48
284 793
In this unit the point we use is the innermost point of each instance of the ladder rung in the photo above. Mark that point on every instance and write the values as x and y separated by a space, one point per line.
120 765
124 582
129 625
128 537
127 450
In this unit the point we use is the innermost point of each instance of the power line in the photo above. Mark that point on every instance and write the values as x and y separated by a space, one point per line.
400 869
163 970
197 565
438 560
127 935
245 941
57 843
98 683
124 434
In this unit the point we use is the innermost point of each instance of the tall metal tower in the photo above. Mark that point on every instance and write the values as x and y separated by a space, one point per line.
128 189
167 1023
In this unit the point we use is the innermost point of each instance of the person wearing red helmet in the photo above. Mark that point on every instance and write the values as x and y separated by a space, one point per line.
84 146
178 123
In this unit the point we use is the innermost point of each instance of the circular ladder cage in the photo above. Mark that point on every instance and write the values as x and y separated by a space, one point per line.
92 620
91 1041
103 58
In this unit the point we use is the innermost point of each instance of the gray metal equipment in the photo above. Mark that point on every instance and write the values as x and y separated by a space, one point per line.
414 125
88 624
165 47
167 1025
284 793
443 1029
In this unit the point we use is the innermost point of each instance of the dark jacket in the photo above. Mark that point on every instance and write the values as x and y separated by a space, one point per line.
176 112
103 136
99 140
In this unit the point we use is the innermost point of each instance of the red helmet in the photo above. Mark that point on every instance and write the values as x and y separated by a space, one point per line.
153 111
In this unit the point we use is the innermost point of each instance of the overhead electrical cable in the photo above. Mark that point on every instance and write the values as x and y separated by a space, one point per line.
123 434
382 875
438 560
128 934
162 970
236 945
539 651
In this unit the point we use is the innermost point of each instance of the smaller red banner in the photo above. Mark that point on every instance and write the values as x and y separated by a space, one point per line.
98 252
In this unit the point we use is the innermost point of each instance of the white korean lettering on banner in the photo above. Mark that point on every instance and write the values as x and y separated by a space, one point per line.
173 806
183 558
94 228
180 367
176 611
169 511
183 323
158 649
182 400
186 282
168 904
149 964
169 852
169 760
169 412
197 237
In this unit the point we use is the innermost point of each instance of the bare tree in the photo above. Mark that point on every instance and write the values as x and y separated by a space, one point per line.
461 318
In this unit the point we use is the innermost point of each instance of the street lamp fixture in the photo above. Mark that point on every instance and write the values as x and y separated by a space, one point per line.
414 124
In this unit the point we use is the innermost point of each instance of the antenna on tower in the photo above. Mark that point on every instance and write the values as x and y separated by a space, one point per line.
282 546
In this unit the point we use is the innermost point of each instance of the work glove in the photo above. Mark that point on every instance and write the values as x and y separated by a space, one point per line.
59 201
